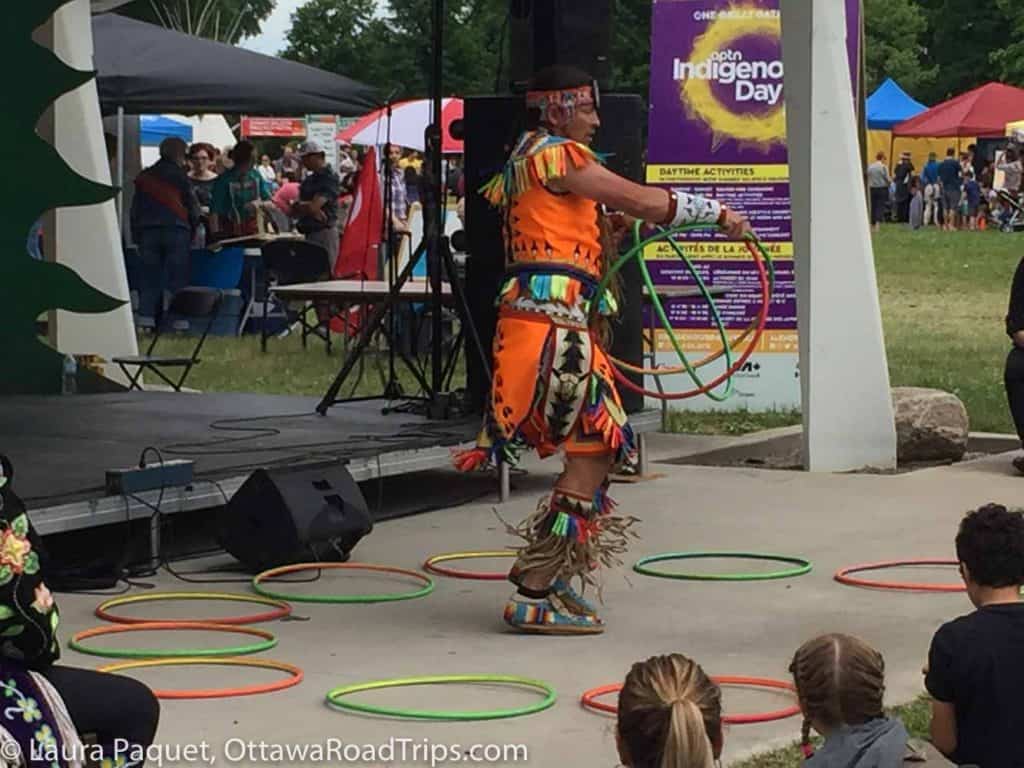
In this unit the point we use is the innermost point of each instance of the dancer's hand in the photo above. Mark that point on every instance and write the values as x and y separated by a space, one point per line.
621 224
736 225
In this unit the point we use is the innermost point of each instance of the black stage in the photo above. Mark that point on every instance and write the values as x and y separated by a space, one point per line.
62 446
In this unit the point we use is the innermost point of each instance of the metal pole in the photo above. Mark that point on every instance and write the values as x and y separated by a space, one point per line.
434 217
120 173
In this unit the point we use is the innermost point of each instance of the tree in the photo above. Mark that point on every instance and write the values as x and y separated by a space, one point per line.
1009 60
225 20
28 288
395 53
962 37
894 30
631 46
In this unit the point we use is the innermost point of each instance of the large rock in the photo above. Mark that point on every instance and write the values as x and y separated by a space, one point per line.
931 425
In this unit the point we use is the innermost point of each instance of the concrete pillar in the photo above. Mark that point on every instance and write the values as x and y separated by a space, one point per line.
87 238
847 407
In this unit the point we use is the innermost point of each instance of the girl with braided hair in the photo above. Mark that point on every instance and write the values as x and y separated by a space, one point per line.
670 715
840 681
553 386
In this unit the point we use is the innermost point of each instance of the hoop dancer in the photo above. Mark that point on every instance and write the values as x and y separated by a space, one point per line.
553 386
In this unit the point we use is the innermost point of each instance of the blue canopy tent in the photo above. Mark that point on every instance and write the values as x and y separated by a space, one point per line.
890 105
155 128
887 107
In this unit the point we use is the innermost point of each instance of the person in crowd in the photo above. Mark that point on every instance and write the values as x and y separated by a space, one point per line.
916 205
288 163
1013 376
284 201
316 211
222 162
1013 169
164 217
269 174
670 716
903 174
950 181
930 180
972 200
239 195
346 200
119 713
975 671
966 163
347 162
878 184
201 174
399 211
840 683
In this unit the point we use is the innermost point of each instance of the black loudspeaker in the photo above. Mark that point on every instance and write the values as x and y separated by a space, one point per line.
492 124
569 32
283 516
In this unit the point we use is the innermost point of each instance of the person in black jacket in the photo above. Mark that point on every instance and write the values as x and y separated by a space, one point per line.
115 711
164 216
1014 374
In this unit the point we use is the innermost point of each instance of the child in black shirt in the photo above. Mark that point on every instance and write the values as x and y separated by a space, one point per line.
975 671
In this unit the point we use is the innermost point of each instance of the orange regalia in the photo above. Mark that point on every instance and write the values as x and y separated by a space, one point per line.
553 386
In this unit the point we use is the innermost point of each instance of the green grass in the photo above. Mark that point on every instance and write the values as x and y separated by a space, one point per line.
230 364
943 298
729 423
915 716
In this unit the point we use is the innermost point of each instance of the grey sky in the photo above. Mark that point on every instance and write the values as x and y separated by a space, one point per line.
275 28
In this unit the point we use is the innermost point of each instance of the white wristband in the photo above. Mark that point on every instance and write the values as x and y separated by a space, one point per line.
695 209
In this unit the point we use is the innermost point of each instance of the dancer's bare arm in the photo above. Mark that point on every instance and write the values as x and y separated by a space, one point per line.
652 204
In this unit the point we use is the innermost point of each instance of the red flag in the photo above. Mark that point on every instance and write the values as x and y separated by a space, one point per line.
360 243
361 240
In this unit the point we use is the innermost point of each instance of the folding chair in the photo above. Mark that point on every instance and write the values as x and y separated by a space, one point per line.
194 303
290 262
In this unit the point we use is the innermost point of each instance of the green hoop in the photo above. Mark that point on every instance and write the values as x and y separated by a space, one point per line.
802 566
428 583
334 697
266 642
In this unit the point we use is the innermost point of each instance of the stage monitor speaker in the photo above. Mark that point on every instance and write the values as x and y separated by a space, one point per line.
492 125
283 516
569 32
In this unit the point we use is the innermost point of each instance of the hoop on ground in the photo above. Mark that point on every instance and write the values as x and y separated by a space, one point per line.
589 699
802 566
295 678
267 640
431 565
428 583
843 576
281 608
335 697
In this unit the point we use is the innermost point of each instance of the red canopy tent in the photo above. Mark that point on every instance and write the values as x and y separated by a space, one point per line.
981 113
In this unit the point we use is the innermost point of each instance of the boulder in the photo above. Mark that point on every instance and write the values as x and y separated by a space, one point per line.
931 425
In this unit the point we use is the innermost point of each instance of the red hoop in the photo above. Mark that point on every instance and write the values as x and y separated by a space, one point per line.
843 577
589 699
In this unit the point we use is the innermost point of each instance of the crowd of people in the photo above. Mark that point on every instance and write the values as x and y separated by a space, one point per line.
962 192
197 195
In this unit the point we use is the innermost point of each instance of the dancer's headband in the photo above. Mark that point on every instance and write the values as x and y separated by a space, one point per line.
569 98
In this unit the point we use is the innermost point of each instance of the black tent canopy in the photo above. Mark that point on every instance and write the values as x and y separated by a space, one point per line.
143 68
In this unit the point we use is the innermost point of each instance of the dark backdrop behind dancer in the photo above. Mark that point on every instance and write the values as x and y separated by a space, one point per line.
553 386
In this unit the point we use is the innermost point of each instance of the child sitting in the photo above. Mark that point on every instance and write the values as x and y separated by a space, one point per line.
840 682
670 715
975 671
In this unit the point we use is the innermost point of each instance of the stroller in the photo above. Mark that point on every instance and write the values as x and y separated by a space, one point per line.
1012 218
